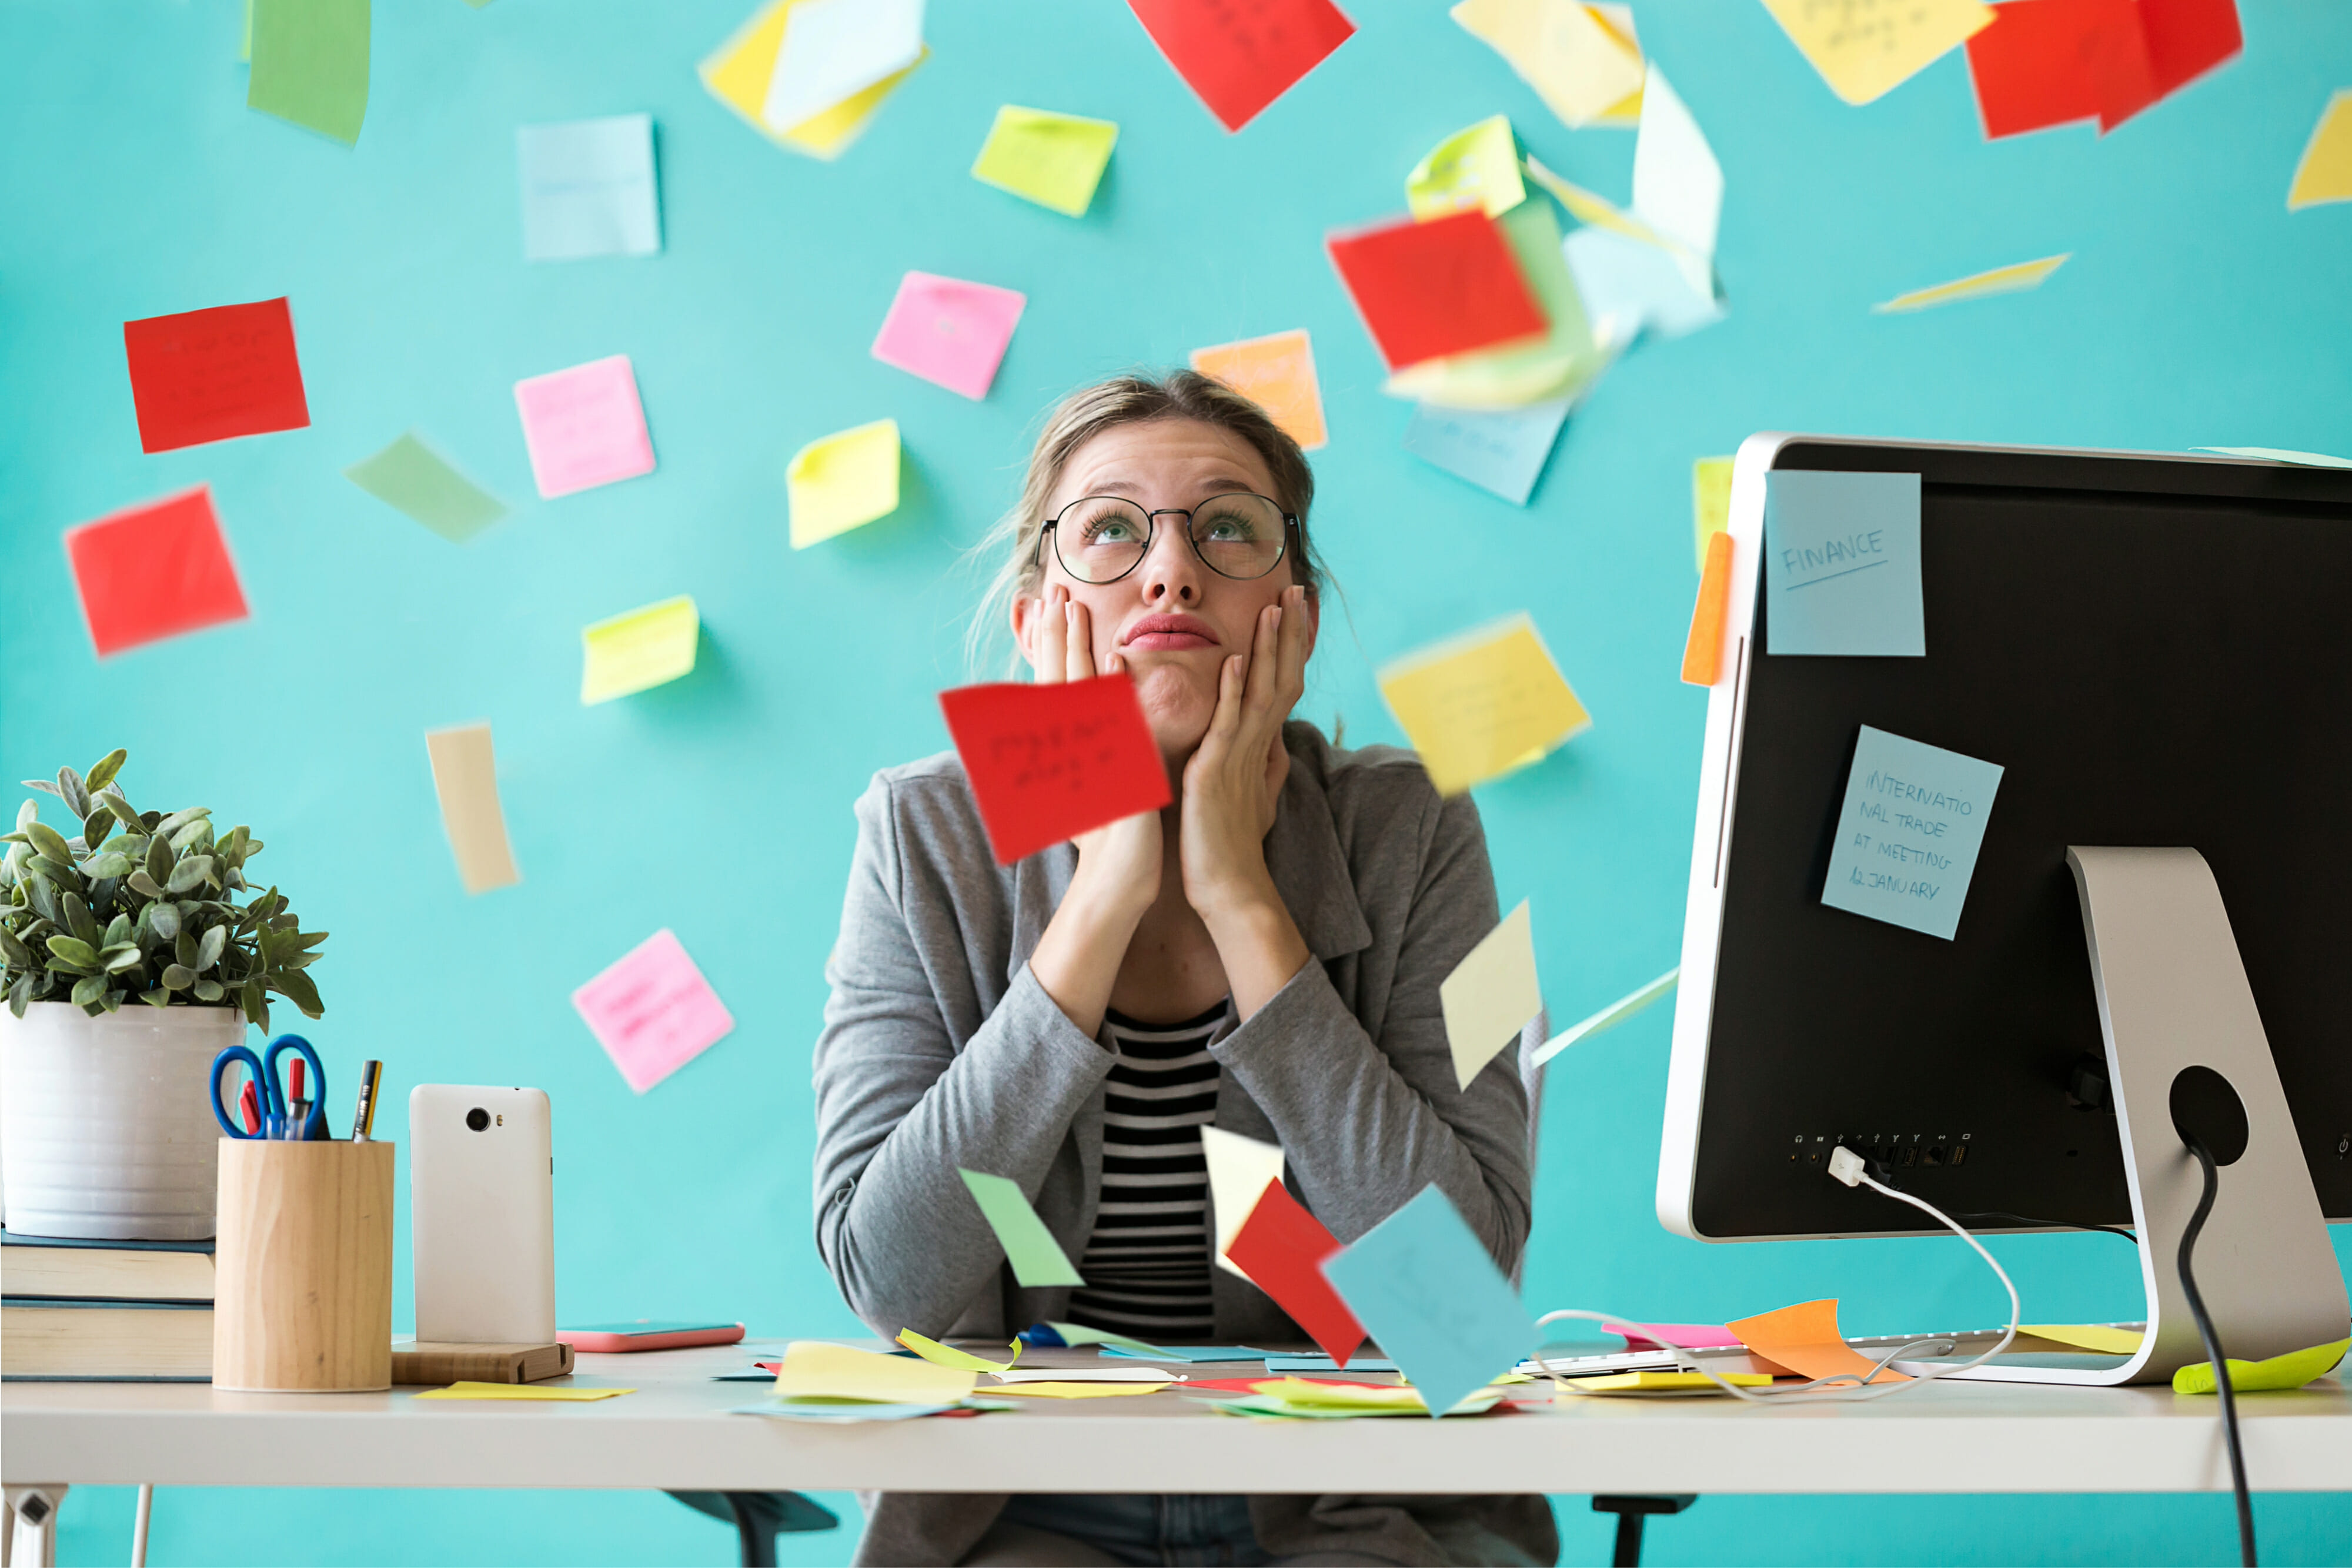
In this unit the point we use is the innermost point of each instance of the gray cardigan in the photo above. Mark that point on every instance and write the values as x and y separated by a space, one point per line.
941 1050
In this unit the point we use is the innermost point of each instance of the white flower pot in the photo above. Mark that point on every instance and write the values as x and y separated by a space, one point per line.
106 1122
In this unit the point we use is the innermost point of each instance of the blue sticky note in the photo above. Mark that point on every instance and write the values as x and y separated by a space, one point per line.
1908 835
1627 285
1842 564
1422 1283
1503 452
588 188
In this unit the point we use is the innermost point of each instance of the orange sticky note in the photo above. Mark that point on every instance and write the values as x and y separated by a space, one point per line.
1804 1339
1703 653
1277 373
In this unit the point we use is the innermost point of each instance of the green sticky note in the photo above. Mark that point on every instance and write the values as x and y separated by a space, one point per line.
415 479
245 40
2293 1370
645 647
1037 1258
1053 160
310 64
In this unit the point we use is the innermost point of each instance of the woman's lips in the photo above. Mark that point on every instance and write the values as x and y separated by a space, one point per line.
1167 634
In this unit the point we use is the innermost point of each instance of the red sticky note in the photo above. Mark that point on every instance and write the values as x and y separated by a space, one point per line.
154 571
1047 762
2051 62
1279 1247
1240 55
207 375
1445 286
2186 39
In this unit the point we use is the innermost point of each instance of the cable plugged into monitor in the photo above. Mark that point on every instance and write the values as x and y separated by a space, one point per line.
2211 1122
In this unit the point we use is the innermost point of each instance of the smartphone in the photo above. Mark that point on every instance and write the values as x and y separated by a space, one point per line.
481 1209
606 1339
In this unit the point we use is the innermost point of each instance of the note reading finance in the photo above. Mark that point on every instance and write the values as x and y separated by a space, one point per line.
1037 1258
1866 48
310 64
1491 994
465 779
153 570
1280 1249
2324 172
640 648
950 332
209 375
410 477
1842 564
653 1012
739 72
1239 1169
1710 502
1476 167
585 427
1053 160
1502 451
1241 57
831 50
1909 831
1048 762
1482 704
1277 373
1444 286
843 481
588 188
1579 65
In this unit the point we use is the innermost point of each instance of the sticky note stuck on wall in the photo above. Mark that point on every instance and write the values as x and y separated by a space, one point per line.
465 781
642 648
585 427
410 477
1277 373
1501 451
1491 994
843 481
1240 58
1054 160
1047 762
209 375
652 1011
310 64
950 333
589 188
1482 704
1842 564
1037 1259
154 570
1909 833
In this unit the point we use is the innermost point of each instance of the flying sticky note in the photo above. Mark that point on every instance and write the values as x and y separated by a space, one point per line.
653 1012
1908 833
949 331
1842 564
1710 502
410 477
2281 455
1630 286
541 1391
1428 1289
1035 1257
1053 160
1559 367
1677 184
1502 451
2053 62
585 427
1047 762
1443 287
1804 1339
1478 167
208 375
816 1369
153 570
310 64
1580 67
1866 48
1703 651
1240 57
1239 1169
1479 704
1491 994
1609 1018
641 648
2011 279
466 779
1280 1249
740 70
1618 17
588 188
1277 373
843 481
2293 1370
2324 172
833 50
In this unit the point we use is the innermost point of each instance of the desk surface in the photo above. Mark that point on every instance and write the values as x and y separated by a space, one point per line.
675 1432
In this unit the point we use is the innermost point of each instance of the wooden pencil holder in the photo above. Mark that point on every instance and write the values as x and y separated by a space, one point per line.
302 1299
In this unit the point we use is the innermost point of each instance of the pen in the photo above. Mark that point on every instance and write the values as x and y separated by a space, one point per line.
298 1116
363 1115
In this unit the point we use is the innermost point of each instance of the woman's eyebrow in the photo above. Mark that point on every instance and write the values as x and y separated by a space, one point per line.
1219 485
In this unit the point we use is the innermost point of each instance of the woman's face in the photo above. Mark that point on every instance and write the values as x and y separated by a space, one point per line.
1171 620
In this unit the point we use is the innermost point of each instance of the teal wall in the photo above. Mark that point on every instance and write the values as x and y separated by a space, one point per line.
2196 311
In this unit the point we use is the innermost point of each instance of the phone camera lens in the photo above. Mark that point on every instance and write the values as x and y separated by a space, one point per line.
477 1118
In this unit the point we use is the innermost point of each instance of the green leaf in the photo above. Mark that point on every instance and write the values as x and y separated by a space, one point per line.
48 842
20 995
164 916
123 812
96 827
178 977
78 919
197 835
117 959
102 771
111 1000
210 990
59 872
158 858
109 865
41 784
118 930
144 885
184 948
89 990
42 897
171 824
208 949
310 938
73 950
296 988
158 997
17 955
71 791
191 873
256 1004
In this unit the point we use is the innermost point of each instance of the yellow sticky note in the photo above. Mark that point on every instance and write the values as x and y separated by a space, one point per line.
464 777
1077 1390
2293 1370
1710 502
1563 362
2008 279
1491 994
1239 1170
843 481
1475 167
2324 171
1277 373
1575 61
1482 704
947 1355
738 71
1657 1381
642 648
1054 160
1866 48
1343 1395
1619 19
816 1369
521 1391
2103 1338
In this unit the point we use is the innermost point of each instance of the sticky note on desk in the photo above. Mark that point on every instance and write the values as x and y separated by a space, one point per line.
1482 704
638 649
1047 762
1280 1249
1240 58
528 1391
1037 1258
1491 994
464 777
652 1011
153 570
212 375
1866 48
818 1369
1428 290
1908 835
585 427
1054 160
410 477
1842 564
588 188
843 481
1277 373
1804 1339
949 331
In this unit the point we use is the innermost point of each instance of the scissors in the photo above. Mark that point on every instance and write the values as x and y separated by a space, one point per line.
263 1071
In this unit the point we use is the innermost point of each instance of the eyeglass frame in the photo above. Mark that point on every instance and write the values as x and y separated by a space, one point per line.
1291 525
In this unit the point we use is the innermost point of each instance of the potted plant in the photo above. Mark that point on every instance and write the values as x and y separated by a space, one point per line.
130 954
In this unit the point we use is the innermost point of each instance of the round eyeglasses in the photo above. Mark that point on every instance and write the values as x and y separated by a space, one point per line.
1101 539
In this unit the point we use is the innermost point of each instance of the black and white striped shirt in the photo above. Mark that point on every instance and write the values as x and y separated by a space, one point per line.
1146 1264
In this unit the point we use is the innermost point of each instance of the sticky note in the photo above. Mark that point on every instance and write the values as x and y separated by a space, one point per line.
538 1391
1580 66
1661 1382
585 427
652 1011
1047 762
1618 17
1502 452
1710 502
1703 651
2106 1339
833 50
1185 1352
410 477
949 331
1908 833
2053 62
1277 373
1476 167
740 71
947 1355
1559 367
1239 1169
1866 48
841 1412
310 64
815 1369
1677 184
1053 160
1842 564
1443 287
1609 1018
639 648
1804 1339
1427 1289
2293 1370
2011 279
1630 287
465 780
1035 1257
153 570
1130 1375
1240 57
588 188
1280 1249
1481 704
843 481
2324 172
208 375
1076 1390
1491 994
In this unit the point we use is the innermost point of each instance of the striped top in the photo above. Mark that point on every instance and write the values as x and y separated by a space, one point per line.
1147 1263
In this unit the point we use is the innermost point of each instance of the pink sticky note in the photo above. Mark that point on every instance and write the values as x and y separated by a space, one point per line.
585 427
653 1012
950 332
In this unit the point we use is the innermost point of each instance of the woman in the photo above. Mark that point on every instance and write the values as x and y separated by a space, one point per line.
1263 956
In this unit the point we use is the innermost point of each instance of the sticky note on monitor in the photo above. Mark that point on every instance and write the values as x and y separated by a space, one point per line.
154 570
652 1011
1909 831
1866 48
1475 167
638 649
466 779
1239 58
1842 565
1047 762
843 481
1281 1248
588 188
1054 160
585 427
310 64
1491 994
949 331
209 375
1277 373
1037 1258
1502 452
1239 1169
739 72
1482 704
410 477
1428 290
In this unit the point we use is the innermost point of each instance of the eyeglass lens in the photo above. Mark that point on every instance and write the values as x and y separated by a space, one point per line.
1102 537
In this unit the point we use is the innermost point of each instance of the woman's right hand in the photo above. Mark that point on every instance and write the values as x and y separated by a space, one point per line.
1120 856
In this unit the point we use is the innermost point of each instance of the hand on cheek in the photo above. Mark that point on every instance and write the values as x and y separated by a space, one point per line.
1121 857
1233 781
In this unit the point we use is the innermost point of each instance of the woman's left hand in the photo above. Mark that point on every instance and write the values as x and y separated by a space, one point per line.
1233 781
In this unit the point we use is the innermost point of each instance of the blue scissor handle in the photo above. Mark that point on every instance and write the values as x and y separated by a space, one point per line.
265 1090
315 1090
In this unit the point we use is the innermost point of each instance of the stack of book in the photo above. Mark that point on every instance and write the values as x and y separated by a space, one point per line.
105 1311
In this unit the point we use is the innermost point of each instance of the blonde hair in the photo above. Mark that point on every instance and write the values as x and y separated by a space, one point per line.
1135 399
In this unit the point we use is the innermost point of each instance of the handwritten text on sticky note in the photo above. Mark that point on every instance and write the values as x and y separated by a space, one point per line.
209 375
1908 835
1842 564
653 1012
1277 373
1480 704
585 427
1047 762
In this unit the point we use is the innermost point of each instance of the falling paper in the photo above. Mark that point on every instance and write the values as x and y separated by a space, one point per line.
2323 173
1479 167
1677 184
1866 48
1609 1018
1240 57
412 478
833 50
1035 1257
153 570
1842 565
1444 286
585 427
1559 367
1491 994
1908 835
588 188
949 331
2009 279
1053 160
947 1355
1482 704
653 1012
843 481
1239 1169
1703 651
1280 1249
740 71
642 648
1048 762
464 777
208 375
1503 452
816 1369
1804 1339
310 64
1629 286
1582 68
2053 62
1277 373
1710 502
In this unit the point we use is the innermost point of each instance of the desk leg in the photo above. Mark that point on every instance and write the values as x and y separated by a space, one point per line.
1631 1513
33 1519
